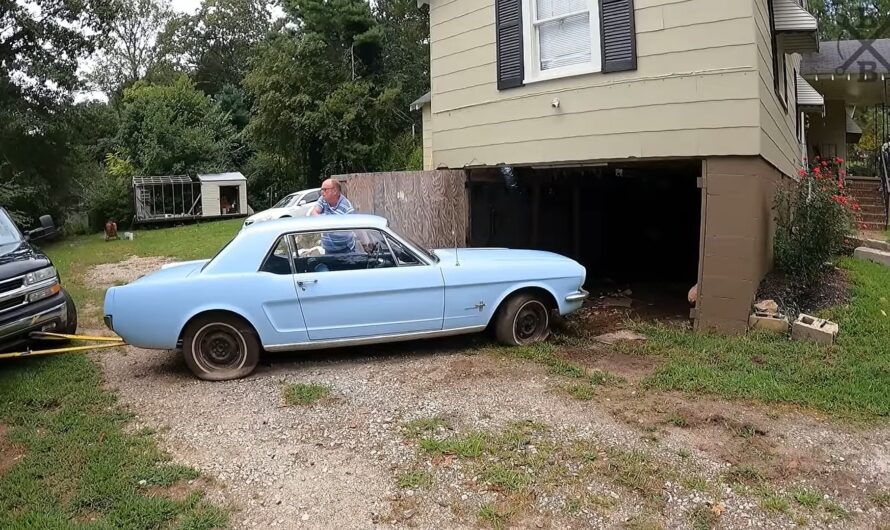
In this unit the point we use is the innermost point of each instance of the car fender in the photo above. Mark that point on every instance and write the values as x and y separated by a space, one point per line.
518 287
207 308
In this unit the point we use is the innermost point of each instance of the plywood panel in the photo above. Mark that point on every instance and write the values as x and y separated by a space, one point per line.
430 207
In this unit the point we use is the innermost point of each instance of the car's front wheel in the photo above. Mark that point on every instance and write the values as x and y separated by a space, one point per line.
70 326
523 319
220 346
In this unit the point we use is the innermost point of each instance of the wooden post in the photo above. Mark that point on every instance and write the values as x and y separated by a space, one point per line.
576 219
536 212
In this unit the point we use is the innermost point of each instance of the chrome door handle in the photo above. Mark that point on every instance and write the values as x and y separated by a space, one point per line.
302 283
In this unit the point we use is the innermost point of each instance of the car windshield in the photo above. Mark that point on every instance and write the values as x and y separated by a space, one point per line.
285 202
425 251
8 231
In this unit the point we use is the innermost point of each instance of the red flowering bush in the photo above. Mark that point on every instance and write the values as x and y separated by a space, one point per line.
814 217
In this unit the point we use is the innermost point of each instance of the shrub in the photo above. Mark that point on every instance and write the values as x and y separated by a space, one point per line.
109 195
814 217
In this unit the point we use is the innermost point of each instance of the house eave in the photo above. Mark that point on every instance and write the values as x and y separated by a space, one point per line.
809 100
798 28
421 102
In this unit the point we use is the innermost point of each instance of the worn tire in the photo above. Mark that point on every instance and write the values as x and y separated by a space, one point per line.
523 319
220 347
71 325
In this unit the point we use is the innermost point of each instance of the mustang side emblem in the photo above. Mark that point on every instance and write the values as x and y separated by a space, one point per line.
480 306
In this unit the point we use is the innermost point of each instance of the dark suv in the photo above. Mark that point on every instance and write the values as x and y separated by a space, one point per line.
31 295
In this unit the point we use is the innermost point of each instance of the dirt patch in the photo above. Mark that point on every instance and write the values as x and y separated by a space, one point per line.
632 368
832 291
123 272
10 453
181 490
752 438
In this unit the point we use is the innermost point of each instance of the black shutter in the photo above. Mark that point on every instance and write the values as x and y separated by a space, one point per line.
511 59
619 35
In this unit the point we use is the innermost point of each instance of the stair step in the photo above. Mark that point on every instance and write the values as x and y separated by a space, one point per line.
873 226
873 217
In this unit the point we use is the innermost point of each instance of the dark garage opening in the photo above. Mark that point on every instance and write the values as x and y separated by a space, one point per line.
636 227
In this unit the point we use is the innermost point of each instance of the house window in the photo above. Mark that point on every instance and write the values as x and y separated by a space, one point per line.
562 38
780 72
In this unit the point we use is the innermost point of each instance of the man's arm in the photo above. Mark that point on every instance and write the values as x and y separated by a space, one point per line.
317 209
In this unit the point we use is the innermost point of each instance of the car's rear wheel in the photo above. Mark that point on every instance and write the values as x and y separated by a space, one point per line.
220 346
523 319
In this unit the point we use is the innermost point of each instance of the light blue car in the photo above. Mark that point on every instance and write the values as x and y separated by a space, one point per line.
337 280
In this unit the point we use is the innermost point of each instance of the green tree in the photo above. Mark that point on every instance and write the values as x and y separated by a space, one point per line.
41 42
173 129
852 19
216 44
323 101
130 51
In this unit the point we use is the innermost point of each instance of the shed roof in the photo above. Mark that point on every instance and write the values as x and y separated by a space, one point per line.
141 180
221 177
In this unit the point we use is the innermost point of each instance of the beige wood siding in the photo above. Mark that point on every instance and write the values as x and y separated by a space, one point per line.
209 199
242 198
427 138
695 92
778 137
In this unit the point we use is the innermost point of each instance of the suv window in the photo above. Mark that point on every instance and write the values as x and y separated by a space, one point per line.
342 250
278 261
8 231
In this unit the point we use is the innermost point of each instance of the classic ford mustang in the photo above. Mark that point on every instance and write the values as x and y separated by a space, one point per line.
337 280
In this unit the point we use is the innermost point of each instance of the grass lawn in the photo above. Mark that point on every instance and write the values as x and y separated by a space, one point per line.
850 379
74 256
66 460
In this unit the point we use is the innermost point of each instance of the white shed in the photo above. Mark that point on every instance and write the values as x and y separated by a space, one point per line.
223 194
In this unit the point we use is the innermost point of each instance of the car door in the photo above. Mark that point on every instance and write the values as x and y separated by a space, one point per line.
276 293
364 290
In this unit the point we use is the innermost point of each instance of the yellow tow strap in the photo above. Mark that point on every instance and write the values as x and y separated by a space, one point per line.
110 342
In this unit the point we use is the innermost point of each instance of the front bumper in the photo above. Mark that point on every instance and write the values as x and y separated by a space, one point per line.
578 296
42 316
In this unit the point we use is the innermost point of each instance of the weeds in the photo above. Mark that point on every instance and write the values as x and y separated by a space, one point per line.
304 394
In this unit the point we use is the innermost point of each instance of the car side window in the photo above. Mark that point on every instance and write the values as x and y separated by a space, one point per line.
403 256
312 196
278 261
341 250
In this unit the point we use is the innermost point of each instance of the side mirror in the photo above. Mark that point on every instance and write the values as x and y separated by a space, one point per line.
301 202
47 229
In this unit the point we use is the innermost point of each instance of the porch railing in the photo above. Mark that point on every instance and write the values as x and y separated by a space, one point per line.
884 174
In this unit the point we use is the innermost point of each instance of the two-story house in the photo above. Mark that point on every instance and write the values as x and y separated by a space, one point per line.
645 138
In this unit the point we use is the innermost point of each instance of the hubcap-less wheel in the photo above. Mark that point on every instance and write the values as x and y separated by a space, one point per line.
530 324
219 346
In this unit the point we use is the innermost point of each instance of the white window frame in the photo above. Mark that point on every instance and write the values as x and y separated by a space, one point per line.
533 72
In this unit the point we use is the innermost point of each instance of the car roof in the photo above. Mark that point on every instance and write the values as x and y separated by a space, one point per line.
317 222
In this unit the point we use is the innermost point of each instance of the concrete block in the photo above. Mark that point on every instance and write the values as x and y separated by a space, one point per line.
870 243
768 322
810 328
871 254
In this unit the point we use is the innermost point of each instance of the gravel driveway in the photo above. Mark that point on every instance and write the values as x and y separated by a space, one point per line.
366 456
